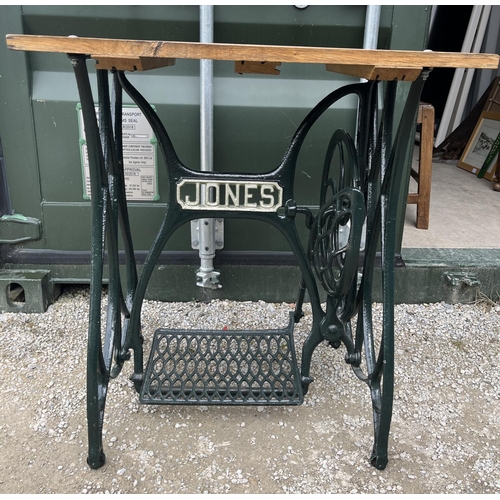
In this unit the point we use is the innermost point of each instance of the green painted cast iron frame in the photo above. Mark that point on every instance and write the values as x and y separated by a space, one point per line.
359 193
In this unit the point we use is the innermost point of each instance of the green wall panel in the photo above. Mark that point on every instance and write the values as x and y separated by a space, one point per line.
255 116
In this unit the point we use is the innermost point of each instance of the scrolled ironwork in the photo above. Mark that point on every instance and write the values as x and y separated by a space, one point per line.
336 239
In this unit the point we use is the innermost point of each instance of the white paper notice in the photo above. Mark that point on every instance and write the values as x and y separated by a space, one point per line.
139 157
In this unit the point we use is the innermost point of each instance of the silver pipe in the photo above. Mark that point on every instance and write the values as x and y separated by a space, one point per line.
206 89
372 24
206 276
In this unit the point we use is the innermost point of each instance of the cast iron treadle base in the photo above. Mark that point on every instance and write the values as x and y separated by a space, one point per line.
223 368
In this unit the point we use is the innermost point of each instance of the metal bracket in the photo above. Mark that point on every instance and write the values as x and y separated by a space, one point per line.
218 234
208 279
459 278
17 228
213 239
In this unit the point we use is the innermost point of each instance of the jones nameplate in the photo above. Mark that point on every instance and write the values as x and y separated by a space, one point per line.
229 196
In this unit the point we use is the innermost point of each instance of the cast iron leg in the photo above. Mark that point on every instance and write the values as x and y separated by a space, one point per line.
108 211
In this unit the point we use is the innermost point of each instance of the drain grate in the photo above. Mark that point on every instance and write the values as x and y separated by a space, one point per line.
222 367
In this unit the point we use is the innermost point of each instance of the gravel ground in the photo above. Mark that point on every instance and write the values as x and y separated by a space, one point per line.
444 436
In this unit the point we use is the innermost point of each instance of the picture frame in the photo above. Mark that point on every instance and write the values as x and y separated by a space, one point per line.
480 144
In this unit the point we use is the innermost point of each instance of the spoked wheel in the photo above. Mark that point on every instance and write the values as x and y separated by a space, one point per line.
334 247
336 235
336 231
334 250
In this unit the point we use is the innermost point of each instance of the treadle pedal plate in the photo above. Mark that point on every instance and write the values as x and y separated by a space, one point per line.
225 367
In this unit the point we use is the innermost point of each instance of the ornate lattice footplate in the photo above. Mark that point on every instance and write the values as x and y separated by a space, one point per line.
222 367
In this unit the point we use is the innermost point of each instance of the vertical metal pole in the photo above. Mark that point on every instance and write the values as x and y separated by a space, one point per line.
206 89
372 23
207 276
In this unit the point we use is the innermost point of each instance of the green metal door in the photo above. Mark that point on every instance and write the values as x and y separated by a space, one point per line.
254 119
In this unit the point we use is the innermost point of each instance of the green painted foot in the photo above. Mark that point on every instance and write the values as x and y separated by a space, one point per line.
379 462
97 463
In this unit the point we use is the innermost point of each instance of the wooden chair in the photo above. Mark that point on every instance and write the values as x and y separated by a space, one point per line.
423 176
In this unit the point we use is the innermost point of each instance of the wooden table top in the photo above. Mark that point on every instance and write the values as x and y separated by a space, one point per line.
142 55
